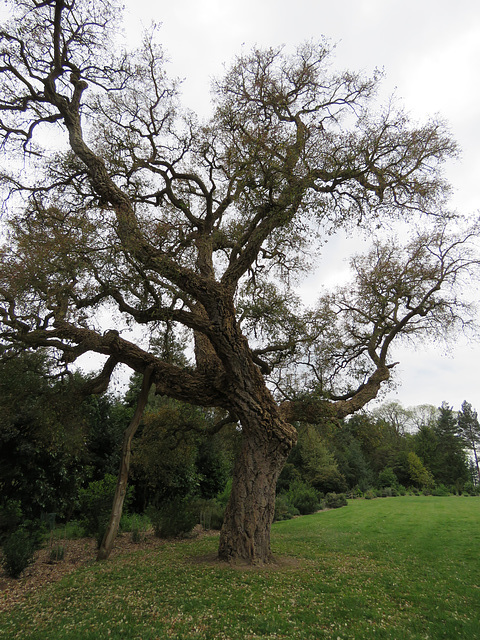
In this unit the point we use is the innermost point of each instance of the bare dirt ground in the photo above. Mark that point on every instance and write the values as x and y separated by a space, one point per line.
78 553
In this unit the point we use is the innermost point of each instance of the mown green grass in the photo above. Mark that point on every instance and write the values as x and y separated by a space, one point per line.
399 568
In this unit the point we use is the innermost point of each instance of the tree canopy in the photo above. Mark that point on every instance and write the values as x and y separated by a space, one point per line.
125 211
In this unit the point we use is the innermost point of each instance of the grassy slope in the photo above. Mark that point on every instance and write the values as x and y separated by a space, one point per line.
403 568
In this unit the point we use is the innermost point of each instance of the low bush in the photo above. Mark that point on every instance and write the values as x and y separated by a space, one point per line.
174 518
469 489
387 478
284 509
370 494
19 548
335 500
137 524
441 491
73 530
131 521
386 492
210 513
304 498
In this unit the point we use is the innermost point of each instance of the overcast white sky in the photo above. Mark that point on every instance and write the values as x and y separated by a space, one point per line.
430 53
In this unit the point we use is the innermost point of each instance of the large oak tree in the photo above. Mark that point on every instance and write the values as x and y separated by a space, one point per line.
125 210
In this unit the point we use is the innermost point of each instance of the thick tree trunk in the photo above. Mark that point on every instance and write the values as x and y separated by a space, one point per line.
122 480
245 535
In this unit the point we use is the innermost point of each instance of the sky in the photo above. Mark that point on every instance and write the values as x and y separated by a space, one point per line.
429 51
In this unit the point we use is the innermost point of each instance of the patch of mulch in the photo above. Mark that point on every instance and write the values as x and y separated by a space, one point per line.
82 552
78 553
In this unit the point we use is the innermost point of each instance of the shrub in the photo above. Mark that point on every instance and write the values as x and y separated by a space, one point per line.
370 494
131 521
96 503
73 530
284 509
136 524
10 517
303 498
387 492
173 518
335 500
211 513
441 490
387 478
469 489
19 549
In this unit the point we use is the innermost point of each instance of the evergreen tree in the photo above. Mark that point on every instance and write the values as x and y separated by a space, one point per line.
469 430
426 446
450 465
419 475
42 434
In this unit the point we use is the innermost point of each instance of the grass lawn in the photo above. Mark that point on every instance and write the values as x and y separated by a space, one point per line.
403 568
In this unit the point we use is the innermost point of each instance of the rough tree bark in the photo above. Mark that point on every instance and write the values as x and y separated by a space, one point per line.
122 481
267 442
245 534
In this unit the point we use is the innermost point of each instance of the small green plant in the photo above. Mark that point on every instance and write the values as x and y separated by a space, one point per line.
57 553
173 518
73 530
386 492
136 524
18 550
138 535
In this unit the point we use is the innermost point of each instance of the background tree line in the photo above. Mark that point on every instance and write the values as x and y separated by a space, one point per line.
55 444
